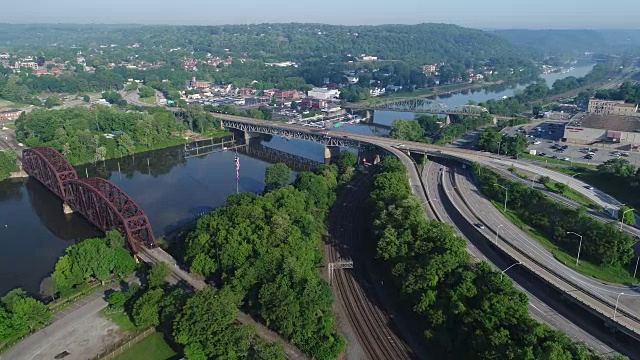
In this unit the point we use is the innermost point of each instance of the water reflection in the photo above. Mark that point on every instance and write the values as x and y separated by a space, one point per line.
48 207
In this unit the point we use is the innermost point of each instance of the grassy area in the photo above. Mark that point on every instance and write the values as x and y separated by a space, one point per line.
611 274
153 347
555 161
151 100
614 186
10 126
120 318
571 194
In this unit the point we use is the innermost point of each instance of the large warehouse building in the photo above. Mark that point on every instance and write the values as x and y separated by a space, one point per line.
593 128
608 121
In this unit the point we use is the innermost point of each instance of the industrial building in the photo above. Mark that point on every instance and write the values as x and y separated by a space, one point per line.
612 107
597 128
323 93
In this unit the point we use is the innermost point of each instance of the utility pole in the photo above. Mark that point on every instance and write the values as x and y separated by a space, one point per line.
503 271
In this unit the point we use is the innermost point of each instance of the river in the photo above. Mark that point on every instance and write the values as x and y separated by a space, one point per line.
171 189
477 95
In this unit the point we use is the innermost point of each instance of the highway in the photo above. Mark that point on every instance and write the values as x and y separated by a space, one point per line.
545 305
600 298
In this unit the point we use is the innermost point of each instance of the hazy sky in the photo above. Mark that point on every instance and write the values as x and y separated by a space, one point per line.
536 14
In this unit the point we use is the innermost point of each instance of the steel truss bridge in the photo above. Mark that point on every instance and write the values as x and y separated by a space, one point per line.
290 132
423 105
100 201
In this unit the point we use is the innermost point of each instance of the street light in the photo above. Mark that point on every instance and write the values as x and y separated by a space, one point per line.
572 176
497 230
622 217
503 271
636 270
506 195
616 309
579 246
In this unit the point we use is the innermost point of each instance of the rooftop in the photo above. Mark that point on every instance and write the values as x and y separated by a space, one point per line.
607 122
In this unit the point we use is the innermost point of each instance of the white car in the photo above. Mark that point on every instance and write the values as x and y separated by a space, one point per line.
537 142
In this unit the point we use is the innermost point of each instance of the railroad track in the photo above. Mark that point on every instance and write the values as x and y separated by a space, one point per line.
371 324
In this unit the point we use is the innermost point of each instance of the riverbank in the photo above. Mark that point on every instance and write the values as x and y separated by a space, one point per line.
441 90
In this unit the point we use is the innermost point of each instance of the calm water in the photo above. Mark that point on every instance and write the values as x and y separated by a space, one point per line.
172 190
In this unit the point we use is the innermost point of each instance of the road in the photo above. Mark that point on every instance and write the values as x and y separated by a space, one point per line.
484 210
545 305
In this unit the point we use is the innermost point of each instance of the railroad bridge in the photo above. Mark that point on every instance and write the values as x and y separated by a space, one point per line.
100 201
421 105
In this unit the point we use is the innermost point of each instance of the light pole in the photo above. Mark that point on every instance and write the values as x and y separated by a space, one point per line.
579 246
503 271
622 217
572 176
636 270
616 309
506 195
498 230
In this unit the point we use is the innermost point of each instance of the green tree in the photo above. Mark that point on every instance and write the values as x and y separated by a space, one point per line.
146 310
117 299
52 101
347 159
407 130
126 145
28 314
86 98
8 164
618 166
132 86
205 326
277 175
11 298
158 274
627 215
146 92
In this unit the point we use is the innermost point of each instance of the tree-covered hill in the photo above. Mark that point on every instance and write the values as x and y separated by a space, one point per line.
553 42
416 44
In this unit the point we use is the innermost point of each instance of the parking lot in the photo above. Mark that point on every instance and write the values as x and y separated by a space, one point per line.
546 137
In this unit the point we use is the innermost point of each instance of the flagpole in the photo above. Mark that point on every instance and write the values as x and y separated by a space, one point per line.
237 173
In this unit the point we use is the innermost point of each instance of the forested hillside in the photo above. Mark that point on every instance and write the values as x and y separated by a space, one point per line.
423 43
553 42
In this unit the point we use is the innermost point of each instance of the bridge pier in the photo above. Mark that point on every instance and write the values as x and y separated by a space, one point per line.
67 209
250 135
329 152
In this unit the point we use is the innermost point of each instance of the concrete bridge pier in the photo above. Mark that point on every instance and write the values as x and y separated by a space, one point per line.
67 209
250 135
330 152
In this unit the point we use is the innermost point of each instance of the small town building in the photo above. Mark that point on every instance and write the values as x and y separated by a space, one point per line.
323 93
9 115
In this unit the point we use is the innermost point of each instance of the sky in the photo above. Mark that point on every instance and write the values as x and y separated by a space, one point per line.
485 14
